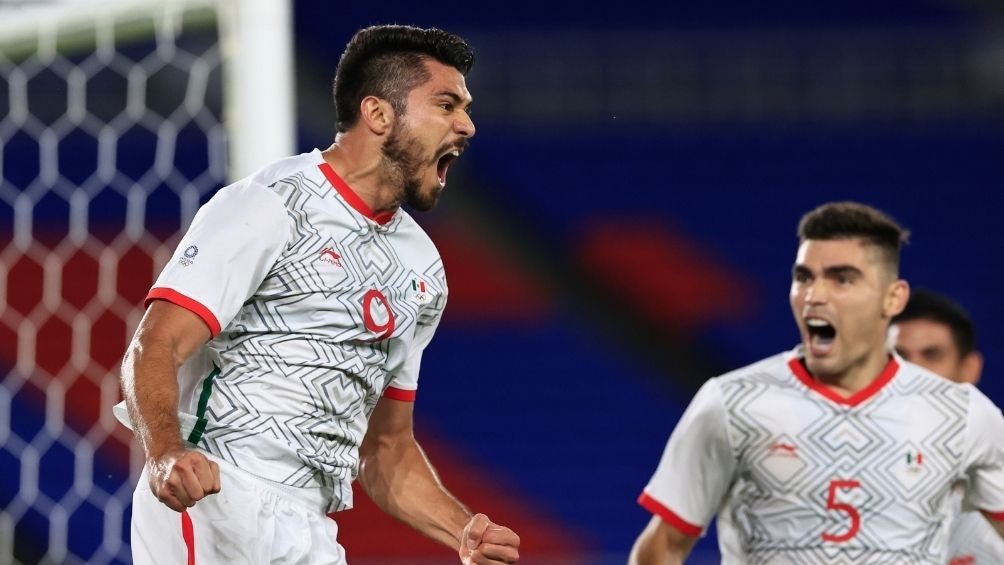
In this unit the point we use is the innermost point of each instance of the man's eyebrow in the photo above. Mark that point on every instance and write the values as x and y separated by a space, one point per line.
452 96
842 270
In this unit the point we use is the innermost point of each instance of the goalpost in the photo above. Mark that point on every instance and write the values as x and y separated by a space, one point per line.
117 120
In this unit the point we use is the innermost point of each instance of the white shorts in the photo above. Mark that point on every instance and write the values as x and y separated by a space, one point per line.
250 521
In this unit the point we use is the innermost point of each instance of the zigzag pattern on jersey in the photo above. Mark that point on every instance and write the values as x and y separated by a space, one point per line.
331 358
835 556
792 444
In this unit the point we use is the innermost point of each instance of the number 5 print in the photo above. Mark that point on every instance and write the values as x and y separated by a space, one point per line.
852 512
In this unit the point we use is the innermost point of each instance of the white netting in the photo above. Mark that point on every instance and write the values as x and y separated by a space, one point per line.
111 136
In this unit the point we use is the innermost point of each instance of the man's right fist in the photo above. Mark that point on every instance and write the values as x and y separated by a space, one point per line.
180 478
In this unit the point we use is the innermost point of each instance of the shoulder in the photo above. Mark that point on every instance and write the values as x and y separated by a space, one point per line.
306 163
916 380
410 233
258 192
773 370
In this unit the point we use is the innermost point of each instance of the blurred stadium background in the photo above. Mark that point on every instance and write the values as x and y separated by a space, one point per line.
622 229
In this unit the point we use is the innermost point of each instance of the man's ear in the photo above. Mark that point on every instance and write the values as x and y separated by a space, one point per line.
377 114
971 367
896 298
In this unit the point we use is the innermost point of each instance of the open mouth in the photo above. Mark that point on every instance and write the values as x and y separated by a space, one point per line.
443 165
821 335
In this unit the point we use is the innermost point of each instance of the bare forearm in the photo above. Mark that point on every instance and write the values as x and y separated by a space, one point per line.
150 388
660 544
400 480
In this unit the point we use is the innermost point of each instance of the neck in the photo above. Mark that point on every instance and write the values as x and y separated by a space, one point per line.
858 376
359 163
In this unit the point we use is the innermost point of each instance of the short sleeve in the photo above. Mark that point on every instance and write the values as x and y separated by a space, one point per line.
404 383
984 456
697 466
233 242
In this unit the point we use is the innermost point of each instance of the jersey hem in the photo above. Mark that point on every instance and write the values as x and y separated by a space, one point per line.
190 304
670 517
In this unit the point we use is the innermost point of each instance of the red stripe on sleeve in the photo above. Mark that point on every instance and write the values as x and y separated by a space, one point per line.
996 516
192 305
400 394
188 533
670 517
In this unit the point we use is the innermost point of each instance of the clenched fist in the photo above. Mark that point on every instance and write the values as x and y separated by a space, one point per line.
486 543
180 478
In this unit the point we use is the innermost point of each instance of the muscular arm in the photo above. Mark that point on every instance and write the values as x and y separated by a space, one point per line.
661 544
167 335
398 477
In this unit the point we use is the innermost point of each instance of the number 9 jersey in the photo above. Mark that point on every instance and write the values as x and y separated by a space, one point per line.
799 474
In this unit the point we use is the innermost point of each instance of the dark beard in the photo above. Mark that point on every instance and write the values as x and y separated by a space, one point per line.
403 167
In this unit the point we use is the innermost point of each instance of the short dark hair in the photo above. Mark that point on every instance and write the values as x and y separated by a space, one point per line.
387 61
846 220
927 305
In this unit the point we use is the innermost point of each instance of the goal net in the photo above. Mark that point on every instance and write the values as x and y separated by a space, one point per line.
117 120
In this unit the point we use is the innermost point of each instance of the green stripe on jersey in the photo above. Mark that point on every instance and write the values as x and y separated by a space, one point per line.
200 414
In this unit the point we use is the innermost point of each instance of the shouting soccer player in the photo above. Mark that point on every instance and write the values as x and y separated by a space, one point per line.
938 334
834 452
279 356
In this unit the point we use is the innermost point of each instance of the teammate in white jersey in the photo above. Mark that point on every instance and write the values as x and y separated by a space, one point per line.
837 451
279 355
938 334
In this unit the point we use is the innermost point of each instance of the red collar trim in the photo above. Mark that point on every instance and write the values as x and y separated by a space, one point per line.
351 197
860 396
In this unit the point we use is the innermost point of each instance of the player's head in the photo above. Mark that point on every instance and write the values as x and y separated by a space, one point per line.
845 285
388 61
936 333
405 86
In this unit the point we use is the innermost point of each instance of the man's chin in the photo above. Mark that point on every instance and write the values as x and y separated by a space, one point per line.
821 367
424 202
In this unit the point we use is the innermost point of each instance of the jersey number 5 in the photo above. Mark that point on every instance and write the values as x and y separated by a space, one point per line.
852 512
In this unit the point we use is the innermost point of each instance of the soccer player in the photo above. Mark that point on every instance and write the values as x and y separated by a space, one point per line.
834 452
938 334
279 355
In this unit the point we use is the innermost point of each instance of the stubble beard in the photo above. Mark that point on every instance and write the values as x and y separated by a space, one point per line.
402 167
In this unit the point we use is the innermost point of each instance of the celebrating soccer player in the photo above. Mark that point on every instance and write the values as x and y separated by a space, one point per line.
834 452
938 334
279 356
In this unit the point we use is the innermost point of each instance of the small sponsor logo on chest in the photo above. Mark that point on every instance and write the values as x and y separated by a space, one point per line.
328 255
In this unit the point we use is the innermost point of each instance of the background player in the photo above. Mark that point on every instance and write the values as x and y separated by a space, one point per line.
936 333
284 338
831 452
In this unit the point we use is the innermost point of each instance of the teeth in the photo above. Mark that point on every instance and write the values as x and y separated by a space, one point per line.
817 323
455 153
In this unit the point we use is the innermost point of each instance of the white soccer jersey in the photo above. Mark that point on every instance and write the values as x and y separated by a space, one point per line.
798 474
317 308
973 541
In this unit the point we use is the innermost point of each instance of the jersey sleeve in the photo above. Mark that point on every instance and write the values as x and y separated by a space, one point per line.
233 241
984 456
697 466
404 382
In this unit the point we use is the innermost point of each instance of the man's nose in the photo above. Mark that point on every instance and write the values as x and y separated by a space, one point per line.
464 125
